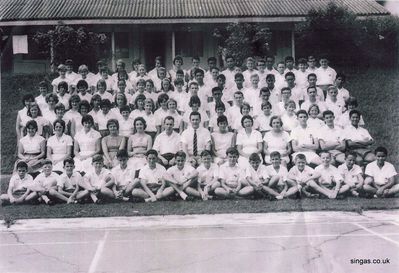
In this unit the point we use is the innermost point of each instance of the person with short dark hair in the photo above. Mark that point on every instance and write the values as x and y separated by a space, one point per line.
381 176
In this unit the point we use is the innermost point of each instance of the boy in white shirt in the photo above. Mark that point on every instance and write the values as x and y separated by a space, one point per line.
124 178
152 185
381 176
70 182
231 178
250 63
18 189
99 181
329 180
207 175
181 178
299 175
258 179
46 183
352 174
325 74
41 99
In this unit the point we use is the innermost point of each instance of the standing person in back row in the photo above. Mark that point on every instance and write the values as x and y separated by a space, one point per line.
325 75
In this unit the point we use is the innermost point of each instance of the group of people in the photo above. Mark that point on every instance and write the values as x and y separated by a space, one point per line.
289 131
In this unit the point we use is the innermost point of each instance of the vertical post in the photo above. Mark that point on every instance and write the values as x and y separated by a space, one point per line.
52 57
113 50
293 44
173 45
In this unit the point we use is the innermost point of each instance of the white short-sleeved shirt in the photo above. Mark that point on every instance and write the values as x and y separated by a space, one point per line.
282 172
87 141
328 174
350 176
276 143
325 75
205 175
97 180
231 175
165 143
153 177
125 126
151 122
303 135
139 113
59 146
203 138
64 100
31 145
159 114
181 175
51 116
222 142
257 175
249 142
289 122
380 175
47 182
301 78
330 134
106 95
298 176
315 124
70 183
18 184
247 76
122 176
182 99
41 102
264 122
356 134
343 94
336 107
102 119
233 113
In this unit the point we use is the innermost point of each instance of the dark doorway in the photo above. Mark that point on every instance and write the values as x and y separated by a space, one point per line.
154 43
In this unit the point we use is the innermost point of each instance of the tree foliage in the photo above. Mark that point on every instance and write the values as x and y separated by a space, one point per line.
243 40
346 38
78 44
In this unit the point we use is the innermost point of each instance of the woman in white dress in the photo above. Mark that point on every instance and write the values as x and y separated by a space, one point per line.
87 143
276 140
249 141
59 146
138 144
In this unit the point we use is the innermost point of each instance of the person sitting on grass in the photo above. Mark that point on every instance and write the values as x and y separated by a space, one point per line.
352 173
299 175
45 184
276 169
69 184
207 175
151 181
124 181
381 176
18 189
182 178
230 176
329 181
258 179
99 181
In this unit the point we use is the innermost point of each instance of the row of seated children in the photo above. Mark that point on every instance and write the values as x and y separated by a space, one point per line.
153 182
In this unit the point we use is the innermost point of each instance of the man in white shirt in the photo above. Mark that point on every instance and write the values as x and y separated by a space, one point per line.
167 143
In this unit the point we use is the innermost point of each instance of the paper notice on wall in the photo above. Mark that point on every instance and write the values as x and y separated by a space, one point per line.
20 44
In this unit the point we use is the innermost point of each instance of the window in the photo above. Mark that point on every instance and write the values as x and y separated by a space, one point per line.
121 45
189 44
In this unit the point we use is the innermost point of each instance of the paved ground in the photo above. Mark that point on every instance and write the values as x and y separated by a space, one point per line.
275 242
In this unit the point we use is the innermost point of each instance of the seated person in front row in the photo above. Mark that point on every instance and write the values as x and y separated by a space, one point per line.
258 180
124 177
207 175
276 169
230 176
326 178
381 176
99 181
181 178
18 189
46 184
151 175
69 183
352 173
299 175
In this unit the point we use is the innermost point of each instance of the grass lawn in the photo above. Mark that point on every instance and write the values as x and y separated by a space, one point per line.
12 213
